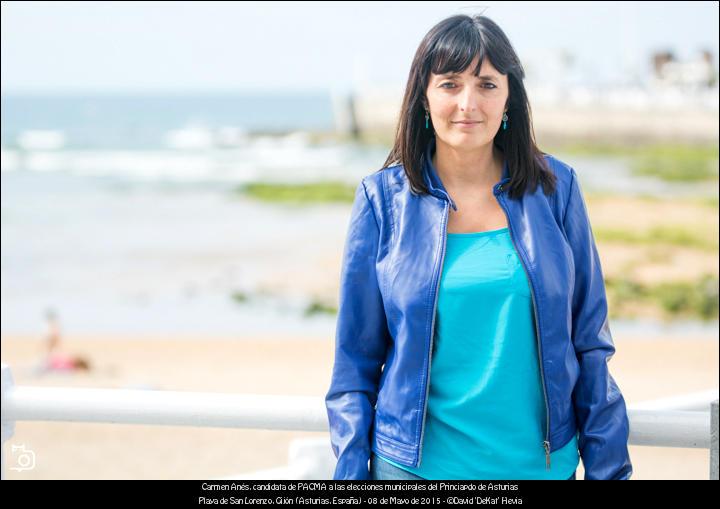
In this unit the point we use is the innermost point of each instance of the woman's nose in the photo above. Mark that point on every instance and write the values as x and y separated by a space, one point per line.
469 99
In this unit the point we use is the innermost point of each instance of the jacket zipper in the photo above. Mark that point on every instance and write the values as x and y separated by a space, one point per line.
546 442
432 329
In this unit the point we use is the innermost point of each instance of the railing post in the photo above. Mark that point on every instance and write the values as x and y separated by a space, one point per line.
8 426
714 440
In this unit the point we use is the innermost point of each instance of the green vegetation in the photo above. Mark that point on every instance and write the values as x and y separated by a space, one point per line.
671 162
317 307
703 201
311 192
709 202
675 236
678 163
240 297
698 299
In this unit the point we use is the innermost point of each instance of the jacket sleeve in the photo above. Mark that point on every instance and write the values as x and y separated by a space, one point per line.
599 406
361 341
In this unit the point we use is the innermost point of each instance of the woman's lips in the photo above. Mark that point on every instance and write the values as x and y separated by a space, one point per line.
467 124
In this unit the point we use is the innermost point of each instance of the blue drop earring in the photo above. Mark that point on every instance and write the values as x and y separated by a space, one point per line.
505 119
426 119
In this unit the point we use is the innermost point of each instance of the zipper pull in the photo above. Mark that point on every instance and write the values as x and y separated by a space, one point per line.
546 445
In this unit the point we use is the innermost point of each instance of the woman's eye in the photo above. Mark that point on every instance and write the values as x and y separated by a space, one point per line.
491 85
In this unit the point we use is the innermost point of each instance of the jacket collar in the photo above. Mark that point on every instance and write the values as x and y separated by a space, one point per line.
435 185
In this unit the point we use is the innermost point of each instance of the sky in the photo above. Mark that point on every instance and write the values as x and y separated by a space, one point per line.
319 46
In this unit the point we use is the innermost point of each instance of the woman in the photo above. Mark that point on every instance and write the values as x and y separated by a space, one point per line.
472 261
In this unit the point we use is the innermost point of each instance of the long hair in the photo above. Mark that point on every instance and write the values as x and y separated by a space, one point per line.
451 46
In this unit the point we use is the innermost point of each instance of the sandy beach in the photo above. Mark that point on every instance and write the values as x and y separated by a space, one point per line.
644 369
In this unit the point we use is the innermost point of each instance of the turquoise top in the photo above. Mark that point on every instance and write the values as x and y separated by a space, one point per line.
486 409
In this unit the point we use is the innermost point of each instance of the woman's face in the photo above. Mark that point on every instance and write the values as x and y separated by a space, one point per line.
481 99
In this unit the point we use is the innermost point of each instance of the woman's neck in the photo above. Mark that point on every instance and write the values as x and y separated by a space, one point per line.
460 170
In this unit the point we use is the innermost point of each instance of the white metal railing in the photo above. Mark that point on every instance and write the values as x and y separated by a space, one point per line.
661 423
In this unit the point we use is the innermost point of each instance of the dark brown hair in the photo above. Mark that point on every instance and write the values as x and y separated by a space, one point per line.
451 46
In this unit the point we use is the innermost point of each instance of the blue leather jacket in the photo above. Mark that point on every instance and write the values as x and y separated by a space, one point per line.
392 262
